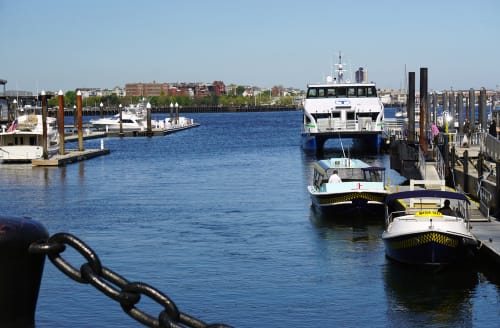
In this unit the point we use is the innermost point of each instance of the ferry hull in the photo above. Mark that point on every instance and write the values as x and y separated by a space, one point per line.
363 141
429 248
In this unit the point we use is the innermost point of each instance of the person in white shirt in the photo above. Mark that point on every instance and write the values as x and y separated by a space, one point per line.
334 178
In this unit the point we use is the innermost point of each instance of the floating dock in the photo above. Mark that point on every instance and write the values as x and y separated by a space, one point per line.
70 156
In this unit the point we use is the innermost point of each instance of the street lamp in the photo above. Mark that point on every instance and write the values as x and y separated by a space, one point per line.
176 113
101 105
171 112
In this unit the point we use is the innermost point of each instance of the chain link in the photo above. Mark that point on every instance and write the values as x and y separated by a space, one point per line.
116 287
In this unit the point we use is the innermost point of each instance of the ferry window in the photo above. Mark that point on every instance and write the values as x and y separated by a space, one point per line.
321 92
350 115
361 92
351 92
335 114
341 92
311 93
32 141
372 92
331 92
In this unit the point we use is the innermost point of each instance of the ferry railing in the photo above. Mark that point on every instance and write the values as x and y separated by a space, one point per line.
352 125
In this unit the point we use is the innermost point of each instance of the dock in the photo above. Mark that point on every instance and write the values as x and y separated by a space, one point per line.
70 156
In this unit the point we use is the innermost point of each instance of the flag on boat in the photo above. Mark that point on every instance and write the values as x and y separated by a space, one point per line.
12 126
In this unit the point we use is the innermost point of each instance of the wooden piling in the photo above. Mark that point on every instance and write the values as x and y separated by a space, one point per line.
45 153
483 118
60 121
423 109
471 107
460 109
410 107
79 111
466 171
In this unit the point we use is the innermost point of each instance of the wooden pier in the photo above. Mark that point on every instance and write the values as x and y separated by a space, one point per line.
70 156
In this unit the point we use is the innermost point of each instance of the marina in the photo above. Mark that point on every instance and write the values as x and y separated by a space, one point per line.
220 235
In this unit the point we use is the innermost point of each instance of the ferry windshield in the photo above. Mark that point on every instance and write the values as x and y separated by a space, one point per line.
341 92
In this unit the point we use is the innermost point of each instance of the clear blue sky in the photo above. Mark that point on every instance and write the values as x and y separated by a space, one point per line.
66 44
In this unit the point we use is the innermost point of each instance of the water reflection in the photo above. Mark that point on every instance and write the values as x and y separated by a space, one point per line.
354 229
419 296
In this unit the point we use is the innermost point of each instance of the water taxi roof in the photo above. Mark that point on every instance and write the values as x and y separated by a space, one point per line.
426 194
345 163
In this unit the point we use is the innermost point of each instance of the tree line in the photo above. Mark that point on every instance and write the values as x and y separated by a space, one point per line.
182 100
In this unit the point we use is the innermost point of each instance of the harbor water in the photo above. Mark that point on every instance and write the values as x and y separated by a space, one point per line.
218 218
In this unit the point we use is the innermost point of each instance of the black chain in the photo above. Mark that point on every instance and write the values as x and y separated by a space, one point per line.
111 284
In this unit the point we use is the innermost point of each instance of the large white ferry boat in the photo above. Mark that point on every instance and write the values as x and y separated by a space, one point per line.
340 108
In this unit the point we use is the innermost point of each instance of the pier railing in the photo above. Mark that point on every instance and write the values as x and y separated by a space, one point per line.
484 201
440 166
492 146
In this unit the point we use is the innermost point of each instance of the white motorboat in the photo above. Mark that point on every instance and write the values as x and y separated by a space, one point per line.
359 191
422 234
22 140
132 119
340 108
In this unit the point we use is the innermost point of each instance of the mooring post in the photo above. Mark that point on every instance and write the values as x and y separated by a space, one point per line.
434 107
410 108
60 121
466 171
472 108
460 107
21 271
45 153
483 117
79 111
423 109
446 158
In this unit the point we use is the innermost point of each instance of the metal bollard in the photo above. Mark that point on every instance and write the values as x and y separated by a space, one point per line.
20 272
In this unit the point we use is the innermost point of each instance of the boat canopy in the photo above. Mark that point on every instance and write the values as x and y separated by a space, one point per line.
426 194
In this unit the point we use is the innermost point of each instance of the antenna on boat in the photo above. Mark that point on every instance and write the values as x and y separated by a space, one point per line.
342 146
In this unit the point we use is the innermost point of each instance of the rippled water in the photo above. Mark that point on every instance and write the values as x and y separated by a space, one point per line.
218 218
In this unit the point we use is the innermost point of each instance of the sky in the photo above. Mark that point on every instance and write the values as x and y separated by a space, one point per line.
65 44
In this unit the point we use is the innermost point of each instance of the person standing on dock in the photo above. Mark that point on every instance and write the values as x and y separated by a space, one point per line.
435 134
466 140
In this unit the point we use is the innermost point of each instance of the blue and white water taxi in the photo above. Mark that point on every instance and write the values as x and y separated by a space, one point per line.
346 186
